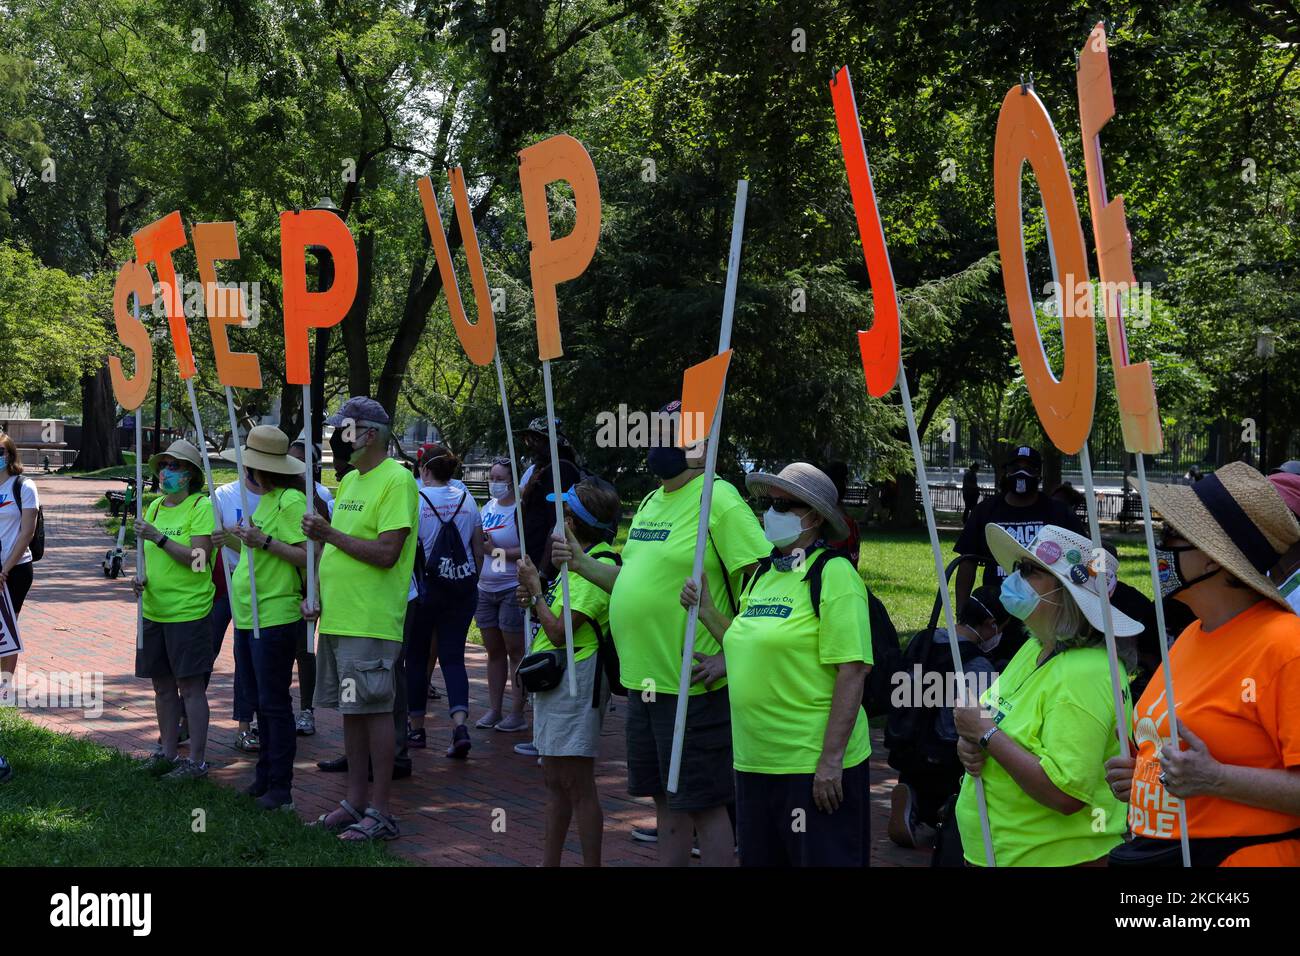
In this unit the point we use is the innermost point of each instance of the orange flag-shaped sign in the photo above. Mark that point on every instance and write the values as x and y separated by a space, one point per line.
554 261
1134 389
880 347
702 386
1064 406
224 306
305 310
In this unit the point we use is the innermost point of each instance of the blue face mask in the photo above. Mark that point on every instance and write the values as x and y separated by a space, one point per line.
172 481
4 462
666 462
1019 597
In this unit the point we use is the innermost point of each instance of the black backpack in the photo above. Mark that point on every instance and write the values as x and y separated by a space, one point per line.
449 573
606 652
886 653
37 545
911 731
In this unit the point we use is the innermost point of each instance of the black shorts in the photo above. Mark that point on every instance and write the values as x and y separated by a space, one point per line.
778 824
706 778
175 649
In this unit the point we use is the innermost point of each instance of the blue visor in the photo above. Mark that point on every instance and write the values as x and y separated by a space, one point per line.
575 505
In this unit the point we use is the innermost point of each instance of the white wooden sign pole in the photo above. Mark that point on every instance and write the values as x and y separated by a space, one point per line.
243 501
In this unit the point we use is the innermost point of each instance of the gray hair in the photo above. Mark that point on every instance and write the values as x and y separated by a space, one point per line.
1072 629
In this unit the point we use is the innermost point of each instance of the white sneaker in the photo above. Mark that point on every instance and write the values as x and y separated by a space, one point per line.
526 749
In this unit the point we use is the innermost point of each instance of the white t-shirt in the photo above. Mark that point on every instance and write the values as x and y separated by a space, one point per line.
229 509
10 519
445 500
501 526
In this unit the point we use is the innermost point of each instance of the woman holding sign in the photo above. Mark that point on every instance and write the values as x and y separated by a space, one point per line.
177 593
796 656
1237 673
266 662
1040 755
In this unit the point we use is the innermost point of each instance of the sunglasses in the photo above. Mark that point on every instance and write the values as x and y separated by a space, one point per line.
1027 567
780 505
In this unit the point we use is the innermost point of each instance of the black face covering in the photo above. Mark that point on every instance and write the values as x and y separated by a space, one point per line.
666 462
343 452
1022 482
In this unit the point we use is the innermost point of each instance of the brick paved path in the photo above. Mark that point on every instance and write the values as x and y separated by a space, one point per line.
75 619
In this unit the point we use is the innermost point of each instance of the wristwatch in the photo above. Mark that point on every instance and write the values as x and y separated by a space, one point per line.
533 599
267 543
988 735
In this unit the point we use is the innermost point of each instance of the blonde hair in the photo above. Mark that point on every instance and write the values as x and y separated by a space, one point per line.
1073 629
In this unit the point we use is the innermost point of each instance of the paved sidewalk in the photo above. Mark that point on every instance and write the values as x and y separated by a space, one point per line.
485 811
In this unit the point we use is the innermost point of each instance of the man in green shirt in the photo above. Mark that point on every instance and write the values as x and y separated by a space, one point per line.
648 624
365 576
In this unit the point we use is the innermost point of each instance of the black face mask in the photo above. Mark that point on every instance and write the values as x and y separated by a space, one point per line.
1170 571
665 463
343 452
1021 482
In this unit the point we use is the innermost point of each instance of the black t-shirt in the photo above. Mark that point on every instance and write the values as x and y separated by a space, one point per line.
1021 523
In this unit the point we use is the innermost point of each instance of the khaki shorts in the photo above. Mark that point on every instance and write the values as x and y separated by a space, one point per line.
354 675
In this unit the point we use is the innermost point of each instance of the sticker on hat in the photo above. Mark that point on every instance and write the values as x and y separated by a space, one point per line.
1073 556
1079 574
1049 552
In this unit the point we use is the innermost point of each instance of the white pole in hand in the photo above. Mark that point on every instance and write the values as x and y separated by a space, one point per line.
706 497
139 508
207 474
310 482
559 526
514 479
949 617
243 501
1164 645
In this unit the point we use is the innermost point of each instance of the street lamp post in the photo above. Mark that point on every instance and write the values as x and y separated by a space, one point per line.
1265 345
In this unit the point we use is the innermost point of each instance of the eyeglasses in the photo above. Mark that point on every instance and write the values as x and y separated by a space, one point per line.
1027 568
780 505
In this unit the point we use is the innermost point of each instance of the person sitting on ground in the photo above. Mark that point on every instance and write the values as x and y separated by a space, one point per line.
567 731
1236 672
797 654
176 591
924 751
1053 717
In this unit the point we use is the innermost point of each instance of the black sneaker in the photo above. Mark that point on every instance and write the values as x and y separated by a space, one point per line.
645 834
336 765
460 742
275 801
6 771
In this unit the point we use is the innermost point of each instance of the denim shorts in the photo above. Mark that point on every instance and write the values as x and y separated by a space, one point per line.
500 610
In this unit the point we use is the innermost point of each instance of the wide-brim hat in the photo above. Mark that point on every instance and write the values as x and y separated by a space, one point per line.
1235 516
805 483
538 427
1068 557
267 449
181 450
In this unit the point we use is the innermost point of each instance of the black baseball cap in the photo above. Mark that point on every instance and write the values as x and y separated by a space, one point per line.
1030 454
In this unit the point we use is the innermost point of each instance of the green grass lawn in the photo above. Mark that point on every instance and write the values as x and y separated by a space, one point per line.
72 802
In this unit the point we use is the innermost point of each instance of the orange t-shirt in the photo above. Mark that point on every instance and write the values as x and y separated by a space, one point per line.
1238 689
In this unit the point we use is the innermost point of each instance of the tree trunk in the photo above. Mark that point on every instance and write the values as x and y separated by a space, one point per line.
99 441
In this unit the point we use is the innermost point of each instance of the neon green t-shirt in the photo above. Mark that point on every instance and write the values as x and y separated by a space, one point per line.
781 661
645 609
584 598
1063 713
359 599
279 583
174 591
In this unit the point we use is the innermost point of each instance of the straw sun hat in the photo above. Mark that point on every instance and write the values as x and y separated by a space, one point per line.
805 483
1237 518
181 450
268 450
1068 557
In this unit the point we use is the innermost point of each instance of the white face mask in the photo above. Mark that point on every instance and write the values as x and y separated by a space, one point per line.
991 644
498 489
782 529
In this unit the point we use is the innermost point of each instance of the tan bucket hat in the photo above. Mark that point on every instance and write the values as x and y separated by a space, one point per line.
1068 557
181 450
267 449
805 483
1235 516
